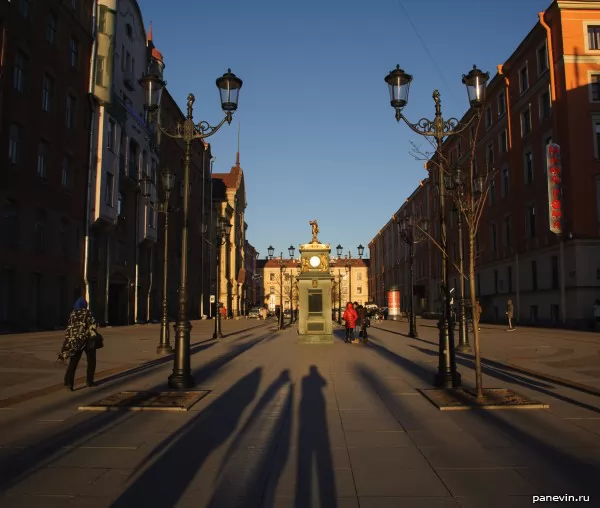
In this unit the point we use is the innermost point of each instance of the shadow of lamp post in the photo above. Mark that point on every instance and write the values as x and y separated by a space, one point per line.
229 86
221 237
168 184
398 83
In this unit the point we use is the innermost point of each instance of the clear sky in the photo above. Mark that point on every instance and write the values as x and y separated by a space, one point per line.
318 136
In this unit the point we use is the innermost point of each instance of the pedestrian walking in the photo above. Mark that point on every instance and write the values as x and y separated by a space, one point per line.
350 318
80 336
509 314
356 328
363 320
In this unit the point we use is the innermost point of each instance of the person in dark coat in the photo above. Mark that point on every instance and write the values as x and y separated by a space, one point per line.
363 322
350 318
77 340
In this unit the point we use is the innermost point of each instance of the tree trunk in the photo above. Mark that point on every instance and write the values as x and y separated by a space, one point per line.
475 316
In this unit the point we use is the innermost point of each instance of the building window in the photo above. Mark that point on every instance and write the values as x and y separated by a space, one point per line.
507 231
509 278
120 204
489 154
501 103
70 111
528 167
505 187
47 91
554 265
495 281
100 70
272 290
523 79
129 30
488 117
534 278
19 71
359 290
595 87
74 52
66 173
545 104
102 18
109 189
42 161
598 198
272 277
14 144
494 237
503 142
530 221
542 59
51 26
597 137
525 122
359 276
492 193
110 136
594 37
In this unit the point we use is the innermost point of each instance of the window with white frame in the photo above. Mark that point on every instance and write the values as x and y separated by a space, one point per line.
100 70
593 37
47 92
42 161
503 141
66 173
525 122
505 182
507 234
528 167
110 135
271 276
545 104
523 79
501 103
19 71
359 276
595 87
14 144
542 59
530 229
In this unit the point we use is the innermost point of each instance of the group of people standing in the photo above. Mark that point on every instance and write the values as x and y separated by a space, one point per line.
357 322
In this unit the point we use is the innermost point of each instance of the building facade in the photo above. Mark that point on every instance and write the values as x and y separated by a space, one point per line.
546 93
44 136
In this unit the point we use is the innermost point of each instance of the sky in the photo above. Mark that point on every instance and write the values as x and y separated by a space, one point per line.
318 137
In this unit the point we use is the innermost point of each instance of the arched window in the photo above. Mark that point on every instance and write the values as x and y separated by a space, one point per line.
9 225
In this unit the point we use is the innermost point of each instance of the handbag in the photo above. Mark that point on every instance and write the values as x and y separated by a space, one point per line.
96 341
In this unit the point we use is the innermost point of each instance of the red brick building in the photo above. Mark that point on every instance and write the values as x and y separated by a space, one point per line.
44 139
547 91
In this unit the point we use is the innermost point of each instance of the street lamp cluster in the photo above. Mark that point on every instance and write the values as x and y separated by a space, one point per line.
412 231
229 86
291 251
439 128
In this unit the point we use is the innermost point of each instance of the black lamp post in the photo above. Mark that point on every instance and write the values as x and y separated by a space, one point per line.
411 232
229 86
398 83
291 251
168 184
221 238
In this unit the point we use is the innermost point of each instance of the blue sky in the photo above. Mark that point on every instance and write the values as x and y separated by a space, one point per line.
318 136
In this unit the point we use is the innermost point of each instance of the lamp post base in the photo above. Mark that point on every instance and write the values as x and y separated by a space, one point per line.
447 380
464 348
217 335
181 380
413 334
447 375
164 350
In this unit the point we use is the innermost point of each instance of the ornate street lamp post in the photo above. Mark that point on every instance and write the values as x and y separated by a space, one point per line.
291 251
229 86
410 236
168 183
398 83
221 238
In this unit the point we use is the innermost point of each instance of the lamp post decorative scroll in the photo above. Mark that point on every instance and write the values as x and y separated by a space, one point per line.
229 86
168 184
439 128
411 232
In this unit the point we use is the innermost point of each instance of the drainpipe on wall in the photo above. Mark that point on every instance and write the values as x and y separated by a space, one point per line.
90 181
563 296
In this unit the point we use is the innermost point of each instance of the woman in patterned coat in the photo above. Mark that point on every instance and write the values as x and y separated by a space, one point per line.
77 340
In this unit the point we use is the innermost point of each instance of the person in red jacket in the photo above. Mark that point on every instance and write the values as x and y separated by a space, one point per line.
350 317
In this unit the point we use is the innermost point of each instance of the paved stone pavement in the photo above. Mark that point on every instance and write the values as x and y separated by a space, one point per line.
296 425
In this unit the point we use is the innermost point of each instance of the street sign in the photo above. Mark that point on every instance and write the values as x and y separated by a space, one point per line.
213 299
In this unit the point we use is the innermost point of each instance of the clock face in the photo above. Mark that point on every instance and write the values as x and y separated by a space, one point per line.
314 261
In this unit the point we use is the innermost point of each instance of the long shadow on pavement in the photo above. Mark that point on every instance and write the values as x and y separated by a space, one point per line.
174 463
23 463
517 379
579 473
248 462
423 373
314 445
